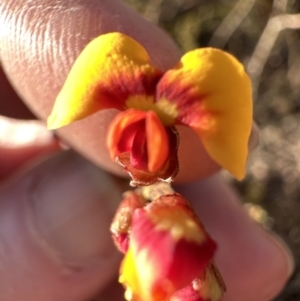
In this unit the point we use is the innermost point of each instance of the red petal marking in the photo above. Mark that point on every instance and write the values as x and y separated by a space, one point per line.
128 136
188 102
121 87
125 122
139 153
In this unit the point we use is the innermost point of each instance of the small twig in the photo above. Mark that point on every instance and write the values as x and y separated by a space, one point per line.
155 191
293 59
266 42
231 22
279 6
153 11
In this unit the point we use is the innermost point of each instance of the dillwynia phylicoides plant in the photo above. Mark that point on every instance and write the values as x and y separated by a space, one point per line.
168 253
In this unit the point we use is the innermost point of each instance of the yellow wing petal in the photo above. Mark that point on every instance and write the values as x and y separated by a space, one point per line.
213 95
111 69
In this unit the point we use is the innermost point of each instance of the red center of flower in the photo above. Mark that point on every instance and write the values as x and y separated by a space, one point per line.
142 135
134 140
143 146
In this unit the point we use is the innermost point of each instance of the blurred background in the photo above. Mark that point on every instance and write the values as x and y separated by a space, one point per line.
264 35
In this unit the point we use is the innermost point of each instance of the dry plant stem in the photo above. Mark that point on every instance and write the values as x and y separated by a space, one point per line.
266 42
155 191
275 25
232 21
153 11
293 59
279 6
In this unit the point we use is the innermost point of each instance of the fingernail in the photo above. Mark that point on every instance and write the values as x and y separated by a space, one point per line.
72 205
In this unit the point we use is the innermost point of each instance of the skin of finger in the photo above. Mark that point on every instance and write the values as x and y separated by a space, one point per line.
30 270
254 264
10 103
42 40
21 141
13 159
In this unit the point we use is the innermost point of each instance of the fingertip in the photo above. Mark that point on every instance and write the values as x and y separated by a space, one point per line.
11 104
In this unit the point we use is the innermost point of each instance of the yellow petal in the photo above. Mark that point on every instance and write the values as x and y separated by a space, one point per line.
110 70
213 96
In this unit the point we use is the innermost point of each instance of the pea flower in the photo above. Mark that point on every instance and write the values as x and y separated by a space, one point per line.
208 91
168 253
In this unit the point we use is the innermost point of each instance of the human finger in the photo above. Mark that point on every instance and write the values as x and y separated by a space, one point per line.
10 103
54 230
22 140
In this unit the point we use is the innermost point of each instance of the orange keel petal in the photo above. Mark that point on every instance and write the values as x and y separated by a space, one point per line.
117 127
166 173
158 142
140 143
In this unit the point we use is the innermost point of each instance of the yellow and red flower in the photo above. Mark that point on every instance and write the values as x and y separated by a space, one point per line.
167 250
208 91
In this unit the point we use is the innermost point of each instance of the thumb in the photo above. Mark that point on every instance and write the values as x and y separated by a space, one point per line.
54 229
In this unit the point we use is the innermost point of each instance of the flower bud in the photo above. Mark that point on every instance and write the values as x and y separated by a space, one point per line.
168 248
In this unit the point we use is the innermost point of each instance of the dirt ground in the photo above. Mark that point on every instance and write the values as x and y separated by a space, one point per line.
264 35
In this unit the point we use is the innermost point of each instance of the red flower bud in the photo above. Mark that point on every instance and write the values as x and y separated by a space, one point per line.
168 248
